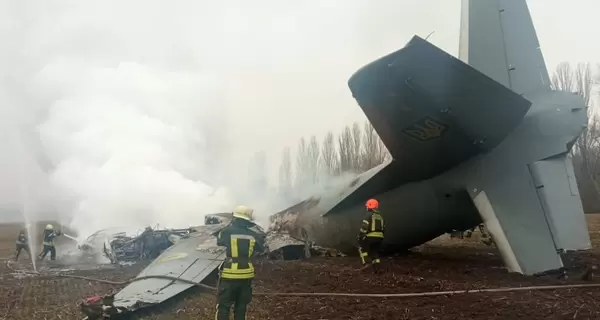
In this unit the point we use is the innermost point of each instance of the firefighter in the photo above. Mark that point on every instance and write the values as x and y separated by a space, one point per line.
236 272
22 244
370 235
48 244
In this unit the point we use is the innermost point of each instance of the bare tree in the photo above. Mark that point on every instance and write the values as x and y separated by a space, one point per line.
285 174
586 151
345 150
374 150
562 79
302 165
329 156
584 82
313 158
357 148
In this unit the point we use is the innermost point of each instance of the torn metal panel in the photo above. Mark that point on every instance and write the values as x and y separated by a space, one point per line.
287 221
278 240
282 246
191 259
285 247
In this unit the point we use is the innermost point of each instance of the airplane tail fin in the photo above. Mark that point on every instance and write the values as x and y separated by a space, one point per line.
498 38
433 111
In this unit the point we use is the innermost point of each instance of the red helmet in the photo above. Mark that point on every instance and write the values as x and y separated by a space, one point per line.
372 204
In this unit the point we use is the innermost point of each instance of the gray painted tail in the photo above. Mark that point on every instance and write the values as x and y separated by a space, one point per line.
498 38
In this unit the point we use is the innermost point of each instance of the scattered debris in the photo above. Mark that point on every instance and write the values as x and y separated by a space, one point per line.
186 255
325 252
484 234
191 260
99 307
123 247
148 245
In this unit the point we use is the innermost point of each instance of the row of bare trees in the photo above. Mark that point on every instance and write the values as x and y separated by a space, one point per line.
579 79
356 149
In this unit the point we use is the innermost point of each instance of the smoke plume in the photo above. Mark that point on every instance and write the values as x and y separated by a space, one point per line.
148 112
128 145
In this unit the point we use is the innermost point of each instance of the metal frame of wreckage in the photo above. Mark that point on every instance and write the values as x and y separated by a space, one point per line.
192 259
147 245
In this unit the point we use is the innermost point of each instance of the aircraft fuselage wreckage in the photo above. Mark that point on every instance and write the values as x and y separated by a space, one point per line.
484 139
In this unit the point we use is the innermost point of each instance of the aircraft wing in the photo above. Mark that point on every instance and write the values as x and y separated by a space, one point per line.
191 259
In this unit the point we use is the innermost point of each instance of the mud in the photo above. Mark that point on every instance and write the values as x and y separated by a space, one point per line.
440 265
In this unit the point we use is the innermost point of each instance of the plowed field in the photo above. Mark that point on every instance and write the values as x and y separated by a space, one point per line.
442 264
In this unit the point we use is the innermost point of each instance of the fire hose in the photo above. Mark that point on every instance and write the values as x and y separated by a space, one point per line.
323 294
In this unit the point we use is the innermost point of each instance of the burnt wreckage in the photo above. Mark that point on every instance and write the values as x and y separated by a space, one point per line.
121 246
479 139
192 258
147 246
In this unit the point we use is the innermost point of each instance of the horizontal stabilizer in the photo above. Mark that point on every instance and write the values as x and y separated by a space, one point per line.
507 200
433 111
557 189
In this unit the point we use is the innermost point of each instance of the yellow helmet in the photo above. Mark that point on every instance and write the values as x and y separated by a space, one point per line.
243 212
49 227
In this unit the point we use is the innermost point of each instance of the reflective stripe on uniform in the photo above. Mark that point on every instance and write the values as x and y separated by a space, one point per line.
363 255
230 273
375 234
376 226
365 225
234 271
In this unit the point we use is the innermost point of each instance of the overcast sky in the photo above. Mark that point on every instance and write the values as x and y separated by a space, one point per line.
304 91
114 87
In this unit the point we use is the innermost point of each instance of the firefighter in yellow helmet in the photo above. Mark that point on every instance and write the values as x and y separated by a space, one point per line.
48 242
370 235
236 272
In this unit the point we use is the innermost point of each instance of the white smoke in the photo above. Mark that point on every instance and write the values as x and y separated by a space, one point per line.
128 145
148 112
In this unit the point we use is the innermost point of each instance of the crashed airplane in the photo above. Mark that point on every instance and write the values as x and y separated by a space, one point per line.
484 139
478 139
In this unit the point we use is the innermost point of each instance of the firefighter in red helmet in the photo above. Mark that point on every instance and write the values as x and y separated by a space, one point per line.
370 235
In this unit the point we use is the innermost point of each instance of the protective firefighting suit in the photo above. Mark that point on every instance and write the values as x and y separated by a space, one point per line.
237 271
370 238
21 244
48 243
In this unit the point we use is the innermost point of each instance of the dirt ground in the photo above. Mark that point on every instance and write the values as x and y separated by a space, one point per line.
442 264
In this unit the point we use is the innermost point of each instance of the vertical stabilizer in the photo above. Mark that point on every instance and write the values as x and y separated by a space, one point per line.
498 38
